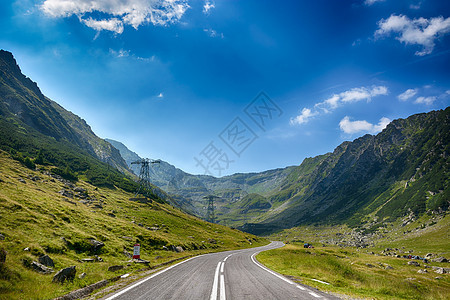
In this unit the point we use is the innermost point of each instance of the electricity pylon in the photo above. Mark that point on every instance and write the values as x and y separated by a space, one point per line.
210 215
145 189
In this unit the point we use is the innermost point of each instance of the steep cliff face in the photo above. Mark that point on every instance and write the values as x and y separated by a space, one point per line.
403 169
21 101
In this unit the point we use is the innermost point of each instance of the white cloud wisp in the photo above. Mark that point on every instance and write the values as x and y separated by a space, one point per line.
351 127
208 6
115 14
336 100
409 93
419 31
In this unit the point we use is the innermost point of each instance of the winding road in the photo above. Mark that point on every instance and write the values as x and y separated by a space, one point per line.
225 275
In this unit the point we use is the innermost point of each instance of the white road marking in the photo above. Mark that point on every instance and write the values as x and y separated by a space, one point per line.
300 287
227 258
222 286
270 271
215 283
221 268
148 278
314 295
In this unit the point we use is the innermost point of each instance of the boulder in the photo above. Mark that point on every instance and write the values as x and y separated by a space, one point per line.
429 255
422 271
46 261
79 190
35 178
179 249
3 255
38 267
413 263
66 193
440 259
115 268
65 274
96 245
82 275
440 271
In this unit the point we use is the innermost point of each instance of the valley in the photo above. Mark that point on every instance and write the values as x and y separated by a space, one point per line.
67 200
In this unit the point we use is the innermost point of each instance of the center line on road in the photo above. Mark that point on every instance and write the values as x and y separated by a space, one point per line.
215 283
222 287
227 258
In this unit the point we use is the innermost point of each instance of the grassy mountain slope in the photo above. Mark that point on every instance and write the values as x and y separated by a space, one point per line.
23 106
402 170
66 193
45 214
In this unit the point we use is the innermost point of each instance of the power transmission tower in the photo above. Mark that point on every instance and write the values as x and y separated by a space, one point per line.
145 188
210 214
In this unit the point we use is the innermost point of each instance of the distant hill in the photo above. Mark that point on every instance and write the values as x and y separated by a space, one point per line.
232 191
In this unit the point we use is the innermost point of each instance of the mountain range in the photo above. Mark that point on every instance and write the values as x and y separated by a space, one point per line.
402 170
373 179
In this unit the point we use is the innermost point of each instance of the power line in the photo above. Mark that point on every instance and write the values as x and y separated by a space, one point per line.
145 188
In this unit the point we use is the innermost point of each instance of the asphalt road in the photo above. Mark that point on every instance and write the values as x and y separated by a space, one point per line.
224 275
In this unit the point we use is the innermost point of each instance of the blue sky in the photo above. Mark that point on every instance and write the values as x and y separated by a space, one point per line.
182 80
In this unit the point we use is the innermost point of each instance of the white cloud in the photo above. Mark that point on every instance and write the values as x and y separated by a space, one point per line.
419 31
117 13
362 93
333 102
371 2
351 127
212 33
303 117
415 6
208 6
120 53
379 90
425 100
354 95
336 100
409 93
161 95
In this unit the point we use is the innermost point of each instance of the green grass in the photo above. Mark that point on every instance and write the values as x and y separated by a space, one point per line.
353 272
358 273
34 215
